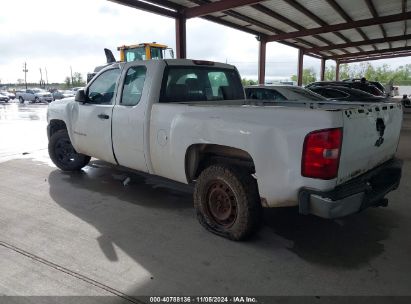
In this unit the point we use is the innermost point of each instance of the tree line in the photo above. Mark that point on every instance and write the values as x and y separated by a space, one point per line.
384 74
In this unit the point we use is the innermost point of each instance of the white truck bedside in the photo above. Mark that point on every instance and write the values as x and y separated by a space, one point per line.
189 121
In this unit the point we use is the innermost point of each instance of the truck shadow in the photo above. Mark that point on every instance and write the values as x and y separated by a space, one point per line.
153 221
343 243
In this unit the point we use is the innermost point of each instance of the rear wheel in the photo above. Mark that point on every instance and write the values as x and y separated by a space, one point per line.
63 154
227 202
36 99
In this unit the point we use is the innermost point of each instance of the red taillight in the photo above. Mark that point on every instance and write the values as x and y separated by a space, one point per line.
321 154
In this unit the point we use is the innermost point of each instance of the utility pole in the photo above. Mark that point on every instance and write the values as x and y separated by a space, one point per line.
47 78
71 72
41 78
25 74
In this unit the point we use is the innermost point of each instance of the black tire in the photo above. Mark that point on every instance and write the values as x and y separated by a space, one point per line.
21 99
36 100
227 202
63 154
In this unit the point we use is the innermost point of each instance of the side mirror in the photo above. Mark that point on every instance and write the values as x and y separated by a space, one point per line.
81 96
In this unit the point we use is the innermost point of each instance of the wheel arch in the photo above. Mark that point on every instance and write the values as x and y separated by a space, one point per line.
55 125
200 156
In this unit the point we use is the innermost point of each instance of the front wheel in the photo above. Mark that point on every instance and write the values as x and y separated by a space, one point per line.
21 99
227 202
36 100
62 153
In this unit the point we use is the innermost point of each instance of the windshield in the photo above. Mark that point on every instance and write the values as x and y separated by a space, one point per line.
135 54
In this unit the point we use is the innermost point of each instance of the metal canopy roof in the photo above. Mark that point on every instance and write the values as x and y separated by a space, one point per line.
343 30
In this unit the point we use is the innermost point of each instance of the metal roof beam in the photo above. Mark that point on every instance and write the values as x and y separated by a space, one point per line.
148 7
356 55
404 8
214 7
405 54
342 26
359 43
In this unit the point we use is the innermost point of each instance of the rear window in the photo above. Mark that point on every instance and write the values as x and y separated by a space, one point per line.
185 84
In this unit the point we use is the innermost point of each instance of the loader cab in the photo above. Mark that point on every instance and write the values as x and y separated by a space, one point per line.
145 51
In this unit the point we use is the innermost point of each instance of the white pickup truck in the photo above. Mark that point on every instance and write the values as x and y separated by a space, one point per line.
34 95
189 121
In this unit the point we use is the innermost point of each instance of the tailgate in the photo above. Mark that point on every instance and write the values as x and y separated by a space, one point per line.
364 147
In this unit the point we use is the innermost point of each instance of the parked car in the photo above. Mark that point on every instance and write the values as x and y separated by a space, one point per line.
4 98
34 95
189 121
405 101
281 93
375 83
366 87
62 94
8 94
346 94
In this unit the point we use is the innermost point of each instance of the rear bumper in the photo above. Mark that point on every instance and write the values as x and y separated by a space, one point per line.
367 190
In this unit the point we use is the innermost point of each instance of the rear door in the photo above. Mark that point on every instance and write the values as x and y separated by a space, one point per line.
370 137
91 127
129 117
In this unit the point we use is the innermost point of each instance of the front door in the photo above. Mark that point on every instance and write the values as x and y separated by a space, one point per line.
91 133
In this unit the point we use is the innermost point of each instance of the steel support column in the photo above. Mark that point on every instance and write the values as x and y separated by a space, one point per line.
261 60
300 67
181 43
322 70
337 70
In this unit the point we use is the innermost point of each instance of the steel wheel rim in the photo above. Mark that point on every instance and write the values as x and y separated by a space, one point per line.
221 203
64 151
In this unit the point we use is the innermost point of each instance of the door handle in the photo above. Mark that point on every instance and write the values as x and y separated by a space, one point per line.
103 116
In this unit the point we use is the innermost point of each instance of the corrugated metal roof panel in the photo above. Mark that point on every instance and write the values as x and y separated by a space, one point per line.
367 48
283 8
252 13
387 7
351 49
352 35
258 29
183 3
382 46
236 21
323 10
397 44
395 28
334 39
357 10
373 32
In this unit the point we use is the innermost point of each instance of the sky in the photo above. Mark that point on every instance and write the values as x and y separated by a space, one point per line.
56 35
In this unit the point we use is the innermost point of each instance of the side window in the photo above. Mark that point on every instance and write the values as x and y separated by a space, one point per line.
331 93
272 95
156 53
133 86
101 91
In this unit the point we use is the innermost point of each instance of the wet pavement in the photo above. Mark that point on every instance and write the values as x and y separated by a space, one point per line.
88 234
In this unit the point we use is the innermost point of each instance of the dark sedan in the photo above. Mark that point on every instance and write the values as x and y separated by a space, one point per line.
366 87
345 94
